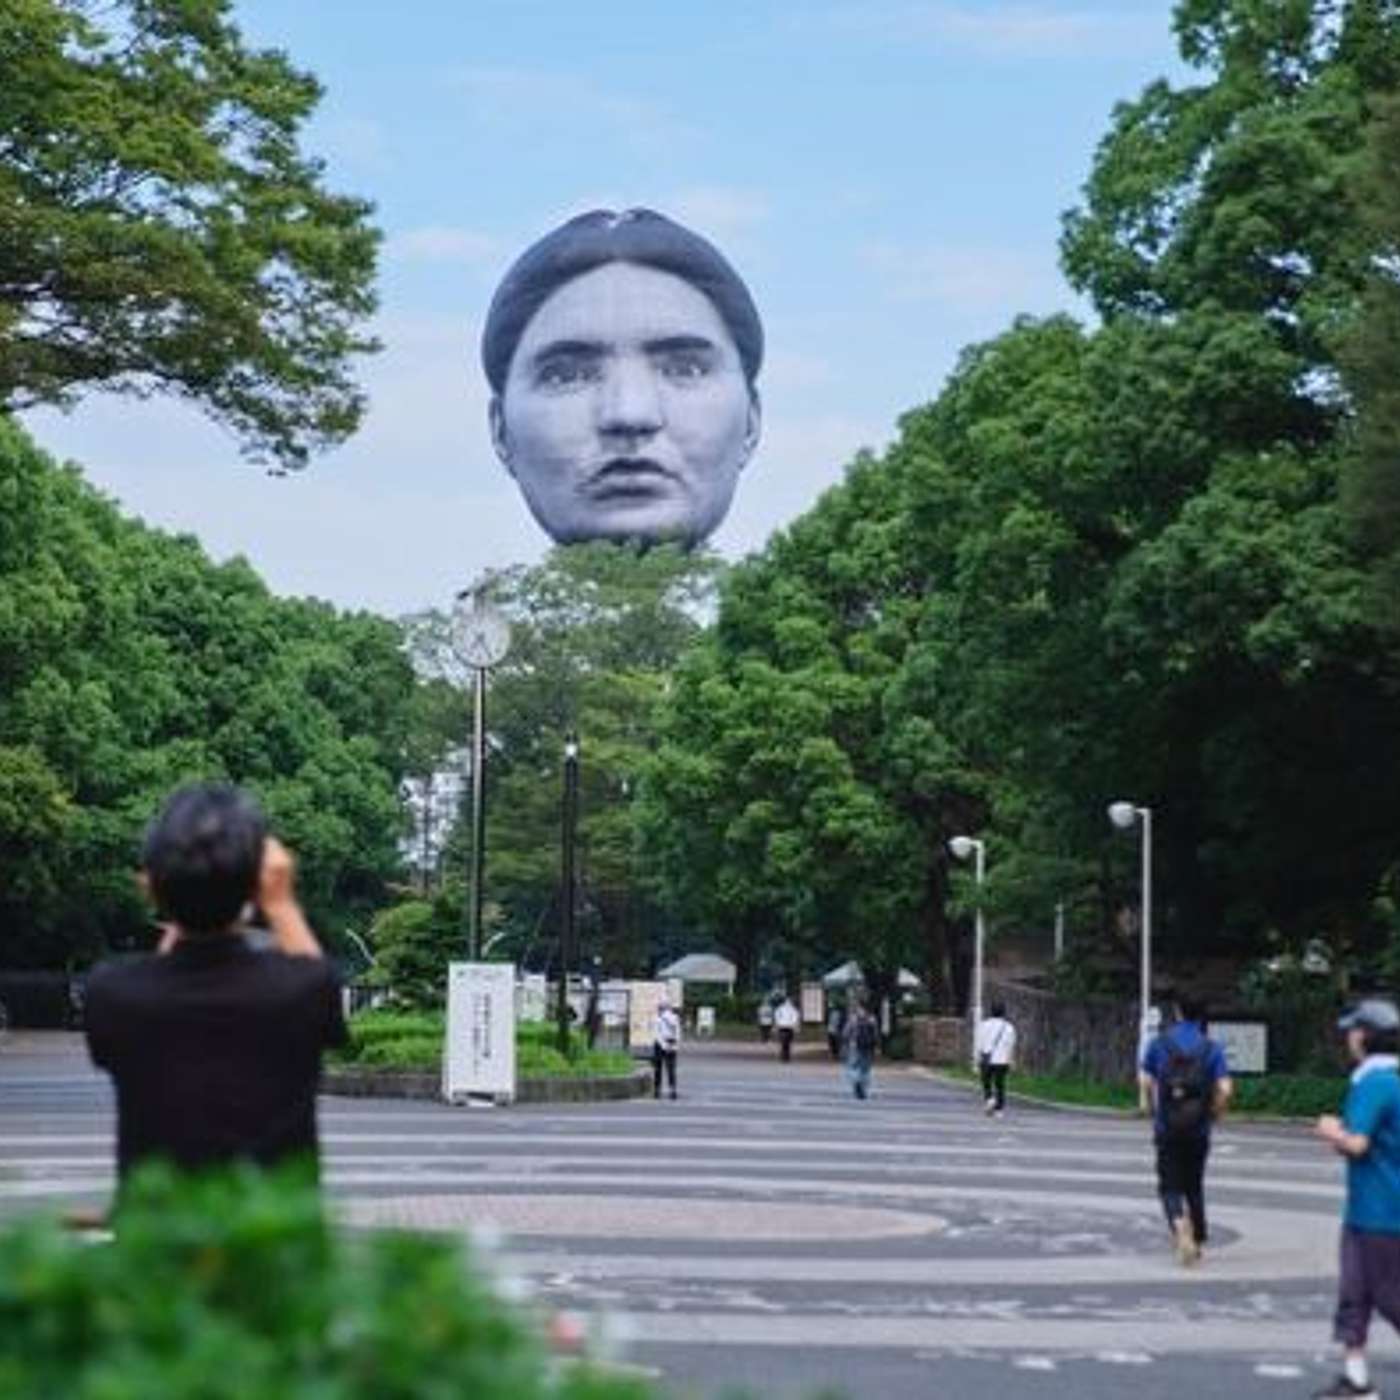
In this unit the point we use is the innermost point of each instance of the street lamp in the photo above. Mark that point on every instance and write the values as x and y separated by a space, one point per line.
1124 815
482 636
962 847
568 950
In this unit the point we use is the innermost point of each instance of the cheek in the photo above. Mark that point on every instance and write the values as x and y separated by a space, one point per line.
713 426
549 427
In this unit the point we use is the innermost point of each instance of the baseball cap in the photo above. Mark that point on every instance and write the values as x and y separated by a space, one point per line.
1373 1014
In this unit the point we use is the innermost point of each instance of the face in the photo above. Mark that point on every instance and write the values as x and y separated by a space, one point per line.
1356 1043
626 414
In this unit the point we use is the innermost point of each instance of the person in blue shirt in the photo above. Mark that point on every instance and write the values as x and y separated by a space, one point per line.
1188 1082
1368 1135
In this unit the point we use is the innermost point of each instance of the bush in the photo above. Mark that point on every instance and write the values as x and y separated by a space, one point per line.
738 1010
413 1041
404 1052
1290 1095
539 1060
232 1287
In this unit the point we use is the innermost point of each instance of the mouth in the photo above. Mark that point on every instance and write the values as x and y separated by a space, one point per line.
629 476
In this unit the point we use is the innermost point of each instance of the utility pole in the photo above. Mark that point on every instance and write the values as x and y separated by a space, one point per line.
568 933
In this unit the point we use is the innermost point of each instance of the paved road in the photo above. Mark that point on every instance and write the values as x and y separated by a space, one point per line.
768 1230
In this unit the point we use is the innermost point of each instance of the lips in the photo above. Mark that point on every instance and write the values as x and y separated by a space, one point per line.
629 476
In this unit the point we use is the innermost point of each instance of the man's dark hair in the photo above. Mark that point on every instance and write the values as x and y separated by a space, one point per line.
602 236
1192 1008
999 1010
202 855
1380 1042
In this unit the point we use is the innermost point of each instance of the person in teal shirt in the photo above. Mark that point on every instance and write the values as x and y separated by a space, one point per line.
1368 1136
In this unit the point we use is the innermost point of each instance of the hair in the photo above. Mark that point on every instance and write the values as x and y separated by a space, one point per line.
1191 1008
999 1009
202 855
1380 1042
603 236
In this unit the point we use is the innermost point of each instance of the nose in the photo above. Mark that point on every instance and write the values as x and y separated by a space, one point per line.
630 404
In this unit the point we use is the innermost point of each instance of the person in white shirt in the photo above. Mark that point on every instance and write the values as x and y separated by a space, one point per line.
996 1052
787 1020
666 1042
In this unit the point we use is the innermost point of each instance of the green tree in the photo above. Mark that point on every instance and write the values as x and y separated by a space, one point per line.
1371 361
162 230
596 632
129 664
413 942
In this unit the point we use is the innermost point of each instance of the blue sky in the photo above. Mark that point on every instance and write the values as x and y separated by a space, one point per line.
888 177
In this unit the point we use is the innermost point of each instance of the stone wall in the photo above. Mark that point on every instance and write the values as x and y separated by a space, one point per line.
1091 1039
940 1040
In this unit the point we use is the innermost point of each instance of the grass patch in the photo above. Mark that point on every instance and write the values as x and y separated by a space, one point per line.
1271 1095
1070 1089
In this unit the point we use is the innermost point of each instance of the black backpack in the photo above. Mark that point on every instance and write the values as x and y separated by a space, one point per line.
1184 1086
867 1038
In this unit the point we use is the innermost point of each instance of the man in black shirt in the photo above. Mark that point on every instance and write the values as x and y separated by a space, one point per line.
214 1047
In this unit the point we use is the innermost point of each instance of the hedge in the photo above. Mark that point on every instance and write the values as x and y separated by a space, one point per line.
234 1287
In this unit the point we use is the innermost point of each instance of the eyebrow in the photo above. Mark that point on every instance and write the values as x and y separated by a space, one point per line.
597 349
672 343
557 348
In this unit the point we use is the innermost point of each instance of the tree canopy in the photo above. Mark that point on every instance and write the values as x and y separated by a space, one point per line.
161 229
1105 563
597 630
128 664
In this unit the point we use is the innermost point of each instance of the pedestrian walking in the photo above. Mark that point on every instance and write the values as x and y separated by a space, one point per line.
787 1020
1368 1135
1188 1082
996 1052
860 1038
214 1044
765 1020
666 1044
835 1030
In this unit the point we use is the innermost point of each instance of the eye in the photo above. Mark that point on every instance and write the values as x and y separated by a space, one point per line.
683 365
568 372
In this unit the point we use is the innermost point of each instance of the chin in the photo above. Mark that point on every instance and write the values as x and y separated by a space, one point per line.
667 524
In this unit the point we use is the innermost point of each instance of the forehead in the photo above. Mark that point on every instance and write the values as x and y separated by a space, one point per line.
624 304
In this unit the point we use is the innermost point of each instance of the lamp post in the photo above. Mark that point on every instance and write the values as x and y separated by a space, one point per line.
1125 815
568 940
962 847
483 639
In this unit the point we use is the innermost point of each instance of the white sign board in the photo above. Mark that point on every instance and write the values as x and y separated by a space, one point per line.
478 1058
705 1020
1246 1045
813 1004
613 999
532 1000
643 1003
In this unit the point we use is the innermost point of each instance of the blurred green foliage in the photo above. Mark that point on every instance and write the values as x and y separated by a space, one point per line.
234 1287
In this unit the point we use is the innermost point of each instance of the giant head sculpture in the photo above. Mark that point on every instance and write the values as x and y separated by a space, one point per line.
622 351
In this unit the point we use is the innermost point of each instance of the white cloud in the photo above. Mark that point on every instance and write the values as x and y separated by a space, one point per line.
791 371
400 517
528 101
442 243
1012 30
971 279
